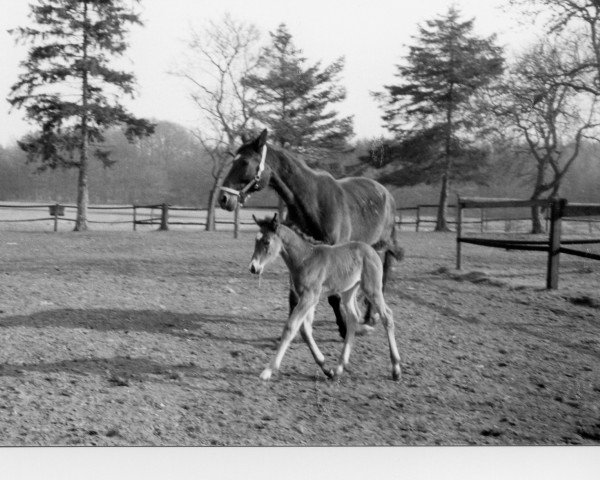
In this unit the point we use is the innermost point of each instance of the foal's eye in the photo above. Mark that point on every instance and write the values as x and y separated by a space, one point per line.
267 242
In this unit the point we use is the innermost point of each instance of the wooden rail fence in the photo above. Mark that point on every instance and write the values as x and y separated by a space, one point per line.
559 209
163 215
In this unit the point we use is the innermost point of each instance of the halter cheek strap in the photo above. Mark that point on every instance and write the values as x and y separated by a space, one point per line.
243 192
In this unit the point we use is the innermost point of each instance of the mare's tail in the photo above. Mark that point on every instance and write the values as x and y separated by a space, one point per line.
392 252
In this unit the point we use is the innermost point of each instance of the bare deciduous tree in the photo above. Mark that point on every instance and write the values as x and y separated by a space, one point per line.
564 16
220 55
544 116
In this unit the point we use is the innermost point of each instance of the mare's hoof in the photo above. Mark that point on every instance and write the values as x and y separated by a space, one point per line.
396 375
329 373
266 375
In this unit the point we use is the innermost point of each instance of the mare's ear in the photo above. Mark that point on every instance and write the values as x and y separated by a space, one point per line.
256 220
275 222
244 138
261 140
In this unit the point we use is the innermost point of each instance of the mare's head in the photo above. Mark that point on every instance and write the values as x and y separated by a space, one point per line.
267 245
246 174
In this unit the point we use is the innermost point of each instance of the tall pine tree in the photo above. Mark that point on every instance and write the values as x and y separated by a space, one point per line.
296 99
69 88
429 109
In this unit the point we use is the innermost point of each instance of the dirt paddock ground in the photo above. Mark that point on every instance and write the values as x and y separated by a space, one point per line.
158 338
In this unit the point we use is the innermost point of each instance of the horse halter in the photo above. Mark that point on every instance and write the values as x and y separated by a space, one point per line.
243 193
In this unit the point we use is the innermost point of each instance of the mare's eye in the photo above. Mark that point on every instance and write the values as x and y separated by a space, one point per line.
267 241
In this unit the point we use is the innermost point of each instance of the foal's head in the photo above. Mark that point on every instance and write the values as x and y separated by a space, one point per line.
244 169
267 245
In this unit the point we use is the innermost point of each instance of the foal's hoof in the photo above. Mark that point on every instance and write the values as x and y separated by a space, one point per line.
364 329
266 375
329 373
396 374
338 372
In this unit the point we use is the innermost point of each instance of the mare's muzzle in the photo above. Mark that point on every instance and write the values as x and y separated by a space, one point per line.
228 201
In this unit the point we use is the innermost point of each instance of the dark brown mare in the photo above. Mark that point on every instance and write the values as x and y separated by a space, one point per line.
329 210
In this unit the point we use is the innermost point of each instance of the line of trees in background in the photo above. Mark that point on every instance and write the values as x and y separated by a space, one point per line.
460 116
172 166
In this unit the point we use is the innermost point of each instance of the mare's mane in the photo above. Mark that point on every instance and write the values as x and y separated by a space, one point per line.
301 234
298 158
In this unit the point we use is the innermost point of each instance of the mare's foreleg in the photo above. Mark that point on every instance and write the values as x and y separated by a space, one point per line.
307 302
292 297
334 301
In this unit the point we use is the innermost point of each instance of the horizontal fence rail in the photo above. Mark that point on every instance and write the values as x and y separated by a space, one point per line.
162 215
559 210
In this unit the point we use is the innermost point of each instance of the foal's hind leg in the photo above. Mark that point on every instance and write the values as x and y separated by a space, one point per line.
352 318
388 322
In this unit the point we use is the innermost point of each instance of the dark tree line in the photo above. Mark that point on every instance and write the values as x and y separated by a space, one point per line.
169 166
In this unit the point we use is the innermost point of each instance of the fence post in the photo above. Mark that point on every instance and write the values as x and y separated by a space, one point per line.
399 223
281 210
56 217
164 219
482 220
556 210
134 218
236 221
418 217
458 233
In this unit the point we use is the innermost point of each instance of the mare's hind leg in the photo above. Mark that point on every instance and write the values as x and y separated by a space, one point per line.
334 301
348 304
308 301
307 336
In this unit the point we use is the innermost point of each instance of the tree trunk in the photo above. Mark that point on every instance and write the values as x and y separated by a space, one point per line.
537 226
442 223
82 182
82 191
213 197
442 213
212 205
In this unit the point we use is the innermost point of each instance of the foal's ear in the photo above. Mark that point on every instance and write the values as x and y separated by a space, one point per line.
244 138
275 222
256 220
261 140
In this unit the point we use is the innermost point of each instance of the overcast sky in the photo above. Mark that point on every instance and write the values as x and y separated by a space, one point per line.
371 34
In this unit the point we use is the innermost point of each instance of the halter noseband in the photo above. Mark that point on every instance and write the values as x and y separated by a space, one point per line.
243 193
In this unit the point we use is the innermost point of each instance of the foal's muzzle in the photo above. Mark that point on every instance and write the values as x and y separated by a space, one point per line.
255 268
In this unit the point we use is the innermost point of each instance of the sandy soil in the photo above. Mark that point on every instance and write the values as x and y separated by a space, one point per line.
158 338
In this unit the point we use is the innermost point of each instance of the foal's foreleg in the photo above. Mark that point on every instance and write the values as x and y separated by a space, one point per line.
388 322
307 336
307 302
